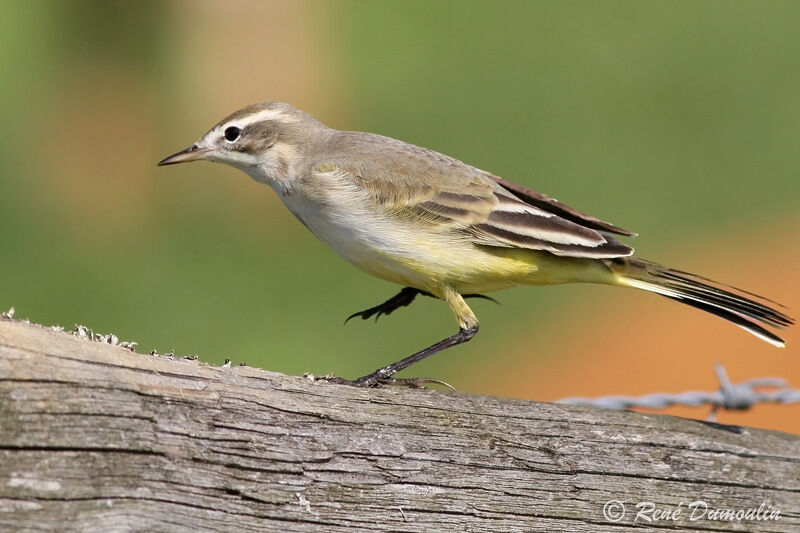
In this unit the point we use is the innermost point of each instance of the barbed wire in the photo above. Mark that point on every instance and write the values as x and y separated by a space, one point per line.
730 396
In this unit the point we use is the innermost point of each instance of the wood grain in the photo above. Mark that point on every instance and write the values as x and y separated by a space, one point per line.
94 437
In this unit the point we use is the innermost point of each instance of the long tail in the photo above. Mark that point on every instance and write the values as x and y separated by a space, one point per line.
746 310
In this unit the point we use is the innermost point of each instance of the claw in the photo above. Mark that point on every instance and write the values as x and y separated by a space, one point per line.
481 297
359 313
414 383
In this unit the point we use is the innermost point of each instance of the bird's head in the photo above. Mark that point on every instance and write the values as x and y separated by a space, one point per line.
266 140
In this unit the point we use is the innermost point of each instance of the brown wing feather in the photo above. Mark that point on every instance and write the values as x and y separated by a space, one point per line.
542 201
495 217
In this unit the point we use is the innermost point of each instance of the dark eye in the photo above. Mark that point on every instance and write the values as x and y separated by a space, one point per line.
232 133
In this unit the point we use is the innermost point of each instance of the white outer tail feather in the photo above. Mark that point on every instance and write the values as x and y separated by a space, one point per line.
665 291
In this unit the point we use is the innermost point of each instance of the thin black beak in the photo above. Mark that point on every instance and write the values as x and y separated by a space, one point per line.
193 153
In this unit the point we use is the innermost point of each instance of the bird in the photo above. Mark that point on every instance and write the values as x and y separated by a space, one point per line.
442 228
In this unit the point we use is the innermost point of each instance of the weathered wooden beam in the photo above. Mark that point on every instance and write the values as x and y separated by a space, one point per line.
94 437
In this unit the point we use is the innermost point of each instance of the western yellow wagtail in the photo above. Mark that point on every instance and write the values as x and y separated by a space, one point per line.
440 227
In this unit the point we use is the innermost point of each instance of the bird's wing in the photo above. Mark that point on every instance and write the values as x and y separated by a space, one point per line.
552 205
499 218
418 185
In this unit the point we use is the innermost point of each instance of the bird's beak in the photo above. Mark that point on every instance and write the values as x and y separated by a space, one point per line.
193 153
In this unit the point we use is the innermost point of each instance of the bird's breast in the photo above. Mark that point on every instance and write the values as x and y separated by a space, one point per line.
404 252
374 244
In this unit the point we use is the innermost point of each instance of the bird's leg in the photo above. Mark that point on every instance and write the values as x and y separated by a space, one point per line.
384 374
401 299
468 327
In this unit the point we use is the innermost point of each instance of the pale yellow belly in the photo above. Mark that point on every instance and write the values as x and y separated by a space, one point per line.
478 269
412 255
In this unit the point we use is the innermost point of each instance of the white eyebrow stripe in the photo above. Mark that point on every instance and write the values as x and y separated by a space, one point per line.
269 114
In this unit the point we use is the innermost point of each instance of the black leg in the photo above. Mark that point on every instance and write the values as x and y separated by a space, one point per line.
385 373
402 299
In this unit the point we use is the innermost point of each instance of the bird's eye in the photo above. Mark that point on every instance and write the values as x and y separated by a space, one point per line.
232 133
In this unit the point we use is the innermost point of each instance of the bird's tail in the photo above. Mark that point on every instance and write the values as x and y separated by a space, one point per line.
748 311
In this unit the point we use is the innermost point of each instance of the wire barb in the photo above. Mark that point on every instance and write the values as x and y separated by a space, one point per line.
730 396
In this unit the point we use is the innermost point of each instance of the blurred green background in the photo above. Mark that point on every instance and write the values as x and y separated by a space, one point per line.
678 120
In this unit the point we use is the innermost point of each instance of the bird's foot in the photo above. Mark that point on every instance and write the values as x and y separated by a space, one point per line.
416 383
401 299
374 380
